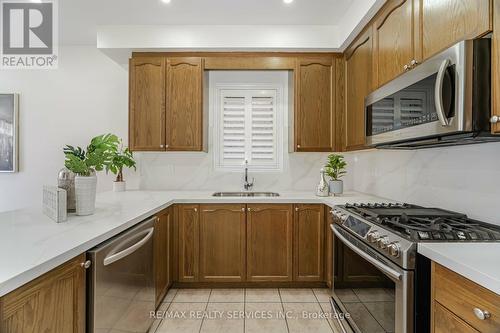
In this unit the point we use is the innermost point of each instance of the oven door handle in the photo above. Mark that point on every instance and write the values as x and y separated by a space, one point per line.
438 93
384 268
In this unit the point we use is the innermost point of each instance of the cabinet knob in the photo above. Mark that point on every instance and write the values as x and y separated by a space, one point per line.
413 63
166 146
86 264
243 209
296 209
406 68
248 209
495 119
481 314
162 146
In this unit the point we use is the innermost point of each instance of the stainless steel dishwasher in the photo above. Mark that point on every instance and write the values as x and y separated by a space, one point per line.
121 282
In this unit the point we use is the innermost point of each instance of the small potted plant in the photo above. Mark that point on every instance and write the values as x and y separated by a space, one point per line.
85 164
335 169
120 158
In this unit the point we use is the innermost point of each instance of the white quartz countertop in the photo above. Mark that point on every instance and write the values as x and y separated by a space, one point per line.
31 244
479 262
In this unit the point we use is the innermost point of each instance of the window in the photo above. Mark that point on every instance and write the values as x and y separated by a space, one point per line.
248 127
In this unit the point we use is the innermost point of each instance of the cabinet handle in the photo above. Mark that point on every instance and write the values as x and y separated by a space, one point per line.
481 314
86 264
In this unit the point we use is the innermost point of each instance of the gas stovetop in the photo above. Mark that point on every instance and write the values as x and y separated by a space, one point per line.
420 224
394 230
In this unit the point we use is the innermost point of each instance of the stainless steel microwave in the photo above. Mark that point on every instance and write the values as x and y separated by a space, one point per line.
446 100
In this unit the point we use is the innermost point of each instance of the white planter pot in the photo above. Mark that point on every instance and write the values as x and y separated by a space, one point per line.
85 191
336 187
119 186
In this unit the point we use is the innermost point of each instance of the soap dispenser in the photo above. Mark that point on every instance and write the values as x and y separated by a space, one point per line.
323 189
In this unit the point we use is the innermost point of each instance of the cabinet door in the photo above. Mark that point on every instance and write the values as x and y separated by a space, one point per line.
309 231
495 67
444 321
189 242
394 42
147 104
314 116
163 254
184 104
222 243
54 302
358 86
446 22
269 242
329 253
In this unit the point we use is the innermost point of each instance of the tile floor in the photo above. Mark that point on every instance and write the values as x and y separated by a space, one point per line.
245 310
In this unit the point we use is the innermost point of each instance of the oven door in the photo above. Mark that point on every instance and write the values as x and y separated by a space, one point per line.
376 295
428 101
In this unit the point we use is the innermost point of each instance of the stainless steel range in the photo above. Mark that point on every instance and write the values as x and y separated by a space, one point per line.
393 293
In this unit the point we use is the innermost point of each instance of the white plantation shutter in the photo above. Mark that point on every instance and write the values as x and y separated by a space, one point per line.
248 129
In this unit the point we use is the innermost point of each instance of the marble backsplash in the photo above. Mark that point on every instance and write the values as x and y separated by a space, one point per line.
195 171
463 178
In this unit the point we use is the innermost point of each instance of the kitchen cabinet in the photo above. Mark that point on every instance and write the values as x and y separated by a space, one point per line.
163 257
308 244
222 243
329 252
184 104
269 242
446 22
188 242
396 40
358 82
54 302
458 303
147 104
314 104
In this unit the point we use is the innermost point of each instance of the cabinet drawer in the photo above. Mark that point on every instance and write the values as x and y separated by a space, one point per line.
462 296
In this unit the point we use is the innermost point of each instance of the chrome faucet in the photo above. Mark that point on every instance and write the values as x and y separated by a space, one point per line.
248 186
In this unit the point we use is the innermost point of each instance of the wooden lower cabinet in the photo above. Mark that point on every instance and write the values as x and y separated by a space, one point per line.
52 303
454 301
222 243
163 257
188 220
269 242
308 244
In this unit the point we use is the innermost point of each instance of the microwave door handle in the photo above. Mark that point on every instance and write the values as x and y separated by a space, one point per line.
438 95
122 254
384 268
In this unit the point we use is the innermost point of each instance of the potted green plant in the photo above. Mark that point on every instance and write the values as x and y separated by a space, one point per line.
85 164
120 158
335 169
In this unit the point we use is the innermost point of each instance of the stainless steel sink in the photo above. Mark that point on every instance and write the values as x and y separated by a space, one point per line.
245 194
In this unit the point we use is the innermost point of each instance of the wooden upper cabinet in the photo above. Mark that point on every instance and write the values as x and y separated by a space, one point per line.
222 243
269 242
395 40
308 244
358 84
147 104
446 22
184 100
54 302
314 113
163 254
189 242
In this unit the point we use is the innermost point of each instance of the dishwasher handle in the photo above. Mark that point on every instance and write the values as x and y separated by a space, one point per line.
122 254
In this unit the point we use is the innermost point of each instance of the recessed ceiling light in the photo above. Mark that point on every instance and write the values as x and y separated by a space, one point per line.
165 1
287 1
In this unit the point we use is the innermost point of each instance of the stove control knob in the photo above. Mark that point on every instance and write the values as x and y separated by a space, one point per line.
394 249
373 236
382 242
343 217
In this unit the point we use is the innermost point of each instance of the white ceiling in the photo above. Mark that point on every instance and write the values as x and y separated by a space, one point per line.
79 18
